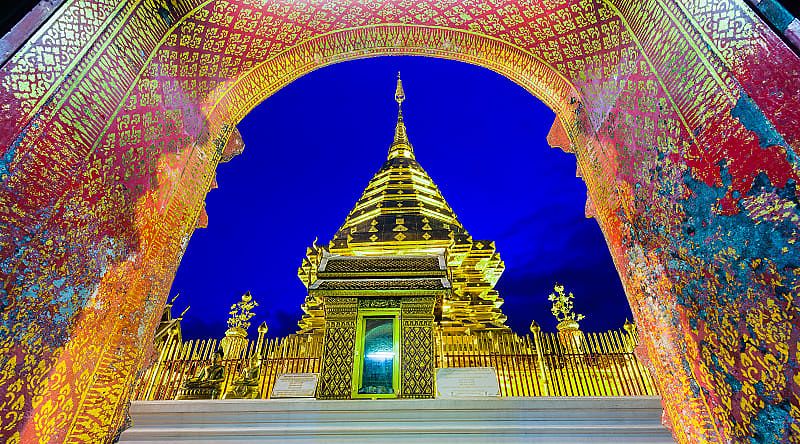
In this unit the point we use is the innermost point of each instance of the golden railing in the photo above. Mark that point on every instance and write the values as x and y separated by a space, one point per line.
553 364
179 361
539 364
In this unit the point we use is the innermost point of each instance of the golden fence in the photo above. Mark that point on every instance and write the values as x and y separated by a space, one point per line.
553 364
180 361
540 364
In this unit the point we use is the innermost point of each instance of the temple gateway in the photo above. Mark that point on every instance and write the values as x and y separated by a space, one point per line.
401 291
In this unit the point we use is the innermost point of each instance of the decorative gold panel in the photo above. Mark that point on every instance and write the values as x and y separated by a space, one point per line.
337 354
417 360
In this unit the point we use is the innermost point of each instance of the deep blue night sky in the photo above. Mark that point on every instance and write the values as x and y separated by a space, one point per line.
311 149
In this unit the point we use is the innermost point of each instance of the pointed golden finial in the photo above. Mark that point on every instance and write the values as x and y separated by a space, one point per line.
629 327
399 94
401 147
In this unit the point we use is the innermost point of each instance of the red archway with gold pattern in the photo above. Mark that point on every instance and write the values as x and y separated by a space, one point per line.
682 115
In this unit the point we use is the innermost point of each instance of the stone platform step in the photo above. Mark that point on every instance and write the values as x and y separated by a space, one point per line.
471 420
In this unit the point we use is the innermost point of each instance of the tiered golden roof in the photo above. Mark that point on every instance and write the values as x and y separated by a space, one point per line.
402 212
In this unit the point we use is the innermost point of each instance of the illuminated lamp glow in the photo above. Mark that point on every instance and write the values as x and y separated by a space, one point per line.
380 356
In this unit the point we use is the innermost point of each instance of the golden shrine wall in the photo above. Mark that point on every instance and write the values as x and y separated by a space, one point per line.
682 116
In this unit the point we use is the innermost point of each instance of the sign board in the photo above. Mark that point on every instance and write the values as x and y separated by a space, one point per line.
295 385
466 382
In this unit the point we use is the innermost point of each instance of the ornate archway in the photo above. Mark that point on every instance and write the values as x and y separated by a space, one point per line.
115 116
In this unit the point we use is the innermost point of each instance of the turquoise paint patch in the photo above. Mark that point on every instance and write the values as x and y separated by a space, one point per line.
771 424
71 296
31 292
747 112
8 157
776 14
6 161
66 294
710 233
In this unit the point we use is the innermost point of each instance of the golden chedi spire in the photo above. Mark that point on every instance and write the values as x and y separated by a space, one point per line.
401 203
401 147
402 212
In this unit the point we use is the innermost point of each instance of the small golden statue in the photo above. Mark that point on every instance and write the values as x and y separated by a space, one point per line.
246 385
207 383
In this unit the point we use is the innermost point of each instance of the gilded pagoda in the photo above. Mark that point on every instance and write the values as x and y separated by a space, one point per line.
403 257
403 227
400 291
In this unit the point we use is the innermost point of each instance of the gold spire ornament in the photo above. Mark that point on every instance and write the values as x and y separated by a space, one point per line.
562 309
400 147
239 321
399 94
241 312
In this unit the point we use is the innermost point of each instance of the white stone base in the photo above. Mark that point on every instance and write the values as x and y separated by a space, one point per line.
472 420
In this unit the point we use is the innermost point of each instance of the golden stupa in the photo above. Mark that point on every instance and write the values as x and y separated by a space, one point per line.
402 227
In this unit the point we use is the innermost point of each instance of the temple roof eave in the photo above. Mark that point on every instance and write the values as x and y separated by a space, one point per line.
382 293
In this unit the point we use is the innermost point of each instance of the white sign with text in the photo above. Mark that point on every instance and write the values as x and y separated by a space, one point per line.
295 385
466 382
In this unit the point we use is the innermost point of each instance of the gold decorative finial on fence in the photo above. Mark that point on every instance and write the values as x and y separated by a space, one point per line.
241 312
239 321
563 309
262 332
569 331
629 327
632 336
